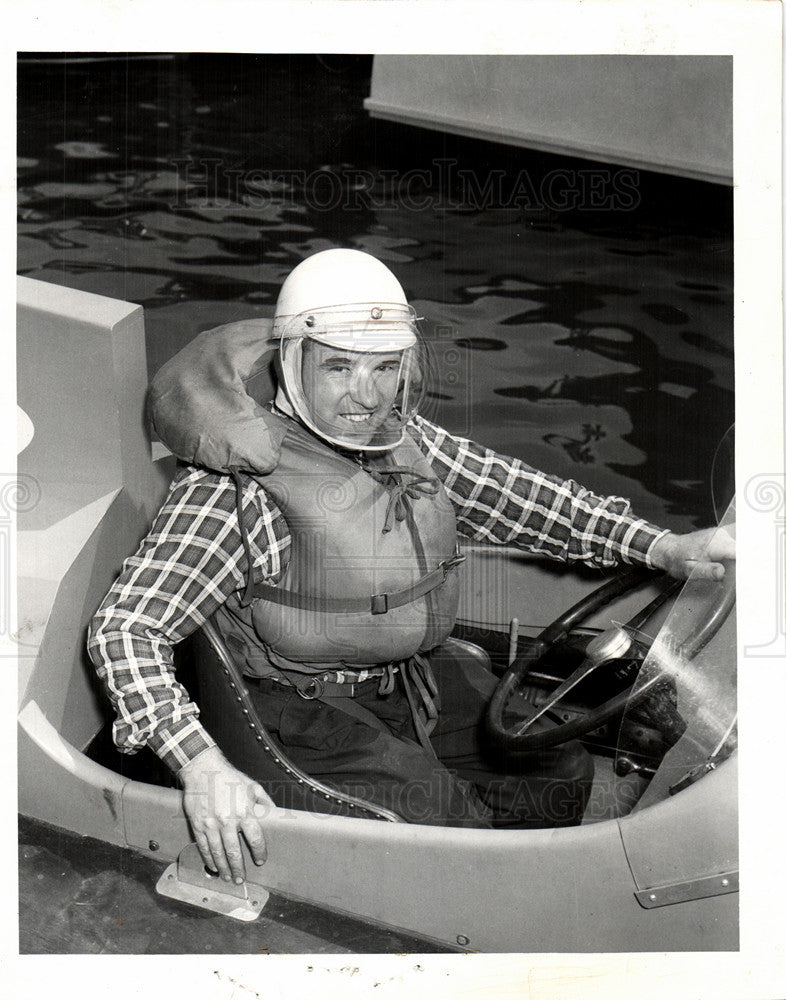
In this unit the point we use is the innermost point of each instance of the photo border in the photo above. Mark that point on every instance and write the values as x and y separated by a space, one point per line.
750 30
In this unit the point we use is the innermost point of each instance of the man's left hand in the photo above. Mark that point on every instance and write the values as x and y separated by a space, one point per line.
699 553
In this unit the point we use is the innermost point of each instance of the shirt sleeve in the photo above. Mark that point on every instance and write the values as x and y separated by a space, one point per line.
189 563
504 501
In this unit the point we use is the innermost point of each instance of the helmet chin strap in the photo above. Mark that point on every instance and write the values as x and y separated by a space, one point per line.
282 403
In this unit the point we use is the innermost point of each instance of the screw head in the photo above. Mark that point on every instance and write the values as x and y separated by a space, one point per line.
462 939
153 846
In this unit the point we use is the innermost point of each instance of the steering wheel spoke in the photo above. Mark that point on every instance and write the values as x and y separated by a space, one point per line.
615 643
612 644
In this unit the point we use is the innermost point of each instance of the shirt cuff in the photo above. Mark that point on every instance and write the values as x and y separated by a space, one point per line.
639 541
180 743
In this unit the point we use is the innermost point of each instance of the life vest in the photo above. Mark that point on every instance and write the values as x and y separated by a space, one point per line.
359 534
377 536
207 403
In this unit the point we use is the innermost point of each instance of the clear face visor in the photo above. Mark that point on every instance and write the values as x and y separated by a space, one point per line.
355 376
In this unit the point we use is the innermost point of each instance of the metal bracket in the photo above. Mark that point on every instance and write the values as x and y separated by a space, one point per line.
187 881
681 892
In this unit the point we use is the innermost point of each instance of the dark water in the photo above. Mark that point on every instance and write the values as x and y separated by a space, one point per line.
582 320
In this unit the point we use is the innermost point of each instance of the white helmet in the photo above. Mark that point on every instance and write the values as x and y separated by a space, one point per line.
350 302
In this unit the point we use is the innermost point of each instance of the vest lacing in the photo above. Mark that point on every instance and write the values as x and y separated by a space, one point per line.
399 495
401 492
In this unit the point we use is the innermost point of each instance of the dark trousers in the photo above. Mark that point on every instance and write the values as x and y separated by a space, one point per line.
470 784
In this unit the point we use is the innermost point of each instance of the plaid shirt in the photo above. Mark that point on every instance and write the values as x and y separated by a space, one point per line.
193 559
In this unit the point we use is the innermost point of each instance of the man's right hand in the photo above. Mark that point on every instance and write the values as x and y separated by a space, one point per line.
219 802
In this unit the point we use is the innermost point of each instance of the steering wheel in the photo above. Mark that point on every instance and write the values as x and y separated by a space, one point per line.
612 644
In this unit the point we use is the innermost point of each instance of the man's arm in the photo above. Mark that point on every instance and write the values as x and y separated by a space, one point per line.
188 564
502 500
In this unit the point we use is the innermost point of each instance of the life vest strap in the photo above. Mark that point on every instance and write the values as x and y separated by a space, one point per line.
416 672
378 604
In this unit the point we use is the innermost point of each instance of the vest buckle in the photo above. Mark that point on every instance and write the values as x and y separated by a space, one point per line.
379 604
312 689
449 564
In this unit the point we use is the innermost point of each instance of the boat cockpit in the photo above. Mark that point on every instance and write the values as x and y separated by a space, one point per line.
640 670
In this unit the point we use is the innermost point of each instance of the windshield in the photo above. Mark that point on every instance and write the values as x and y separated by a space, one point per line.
680 720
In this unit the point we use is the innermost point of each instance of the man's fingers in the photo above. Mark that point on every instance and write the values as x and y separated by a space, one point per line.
220 849
217 850
725 548
252 828
255 839
704 570
233 853
204 851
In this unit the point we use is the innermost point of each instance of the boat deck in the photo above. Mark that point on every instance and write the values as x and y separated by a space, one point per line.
82 896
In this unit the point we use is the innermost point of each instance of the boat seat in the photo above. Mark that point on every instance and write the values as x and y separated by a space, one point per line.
229 715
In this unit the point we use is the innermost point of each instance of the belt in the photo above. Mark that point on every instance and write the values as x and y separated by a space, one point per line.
311 687
417 679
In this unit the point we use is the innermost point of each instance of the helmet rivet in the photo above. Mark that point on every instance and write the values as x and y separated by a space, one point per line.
376 313
310 321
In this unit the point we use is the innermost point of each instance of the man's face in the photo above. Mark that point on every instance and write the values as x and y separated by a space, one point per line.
349 394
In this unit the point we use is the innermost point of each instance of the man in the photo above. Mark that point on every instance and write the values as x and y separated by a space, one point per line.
324 548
